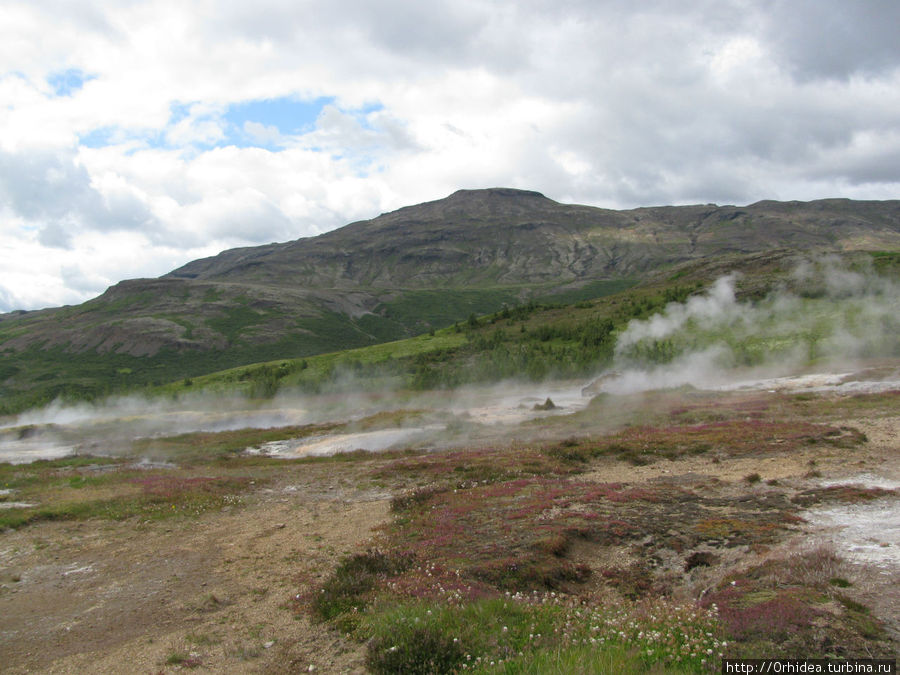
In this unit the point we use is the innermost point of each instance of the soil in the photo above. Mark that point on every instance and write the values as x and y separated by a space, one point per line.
92 596
217 592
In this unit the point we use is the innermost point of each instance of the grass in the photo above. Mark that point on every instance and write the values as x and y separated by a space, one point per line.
486 583
577 660
183 660
506 558
254 333
268 348
314 371
219 446
202 639
216 478
518 633
348 587
514 534
440 308
847 494
208 471
470 468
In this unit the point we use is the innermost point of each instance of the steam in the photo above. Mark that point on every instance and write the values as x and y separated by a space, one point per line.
828 315
145 417
717 307
436 419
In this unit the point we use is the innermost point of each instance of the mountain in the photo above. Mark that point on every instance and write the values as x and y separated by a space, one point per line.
401 273
516 237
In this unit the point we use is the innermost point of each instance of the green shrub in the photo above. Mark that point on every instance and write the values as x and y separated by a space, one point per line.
348 589
415 650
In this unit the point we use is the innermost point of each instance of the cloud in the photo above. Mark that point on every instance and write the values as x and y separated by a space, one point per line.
830 39
197 124
265 135
7 303
44 185
55 190
84 281
54 235
270 121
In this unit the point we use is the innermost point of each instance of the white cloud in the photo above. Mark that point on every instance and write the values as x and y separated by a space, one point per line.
616 104
263 134
202 125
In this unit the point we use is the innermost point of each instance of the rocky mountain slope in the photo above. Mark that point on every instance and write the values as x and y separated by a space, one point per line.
399 274
505 236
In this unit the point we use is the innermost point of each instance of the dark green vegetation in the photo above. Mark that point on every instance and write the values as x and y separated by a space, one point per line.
537 340
417 270
533 341
780 604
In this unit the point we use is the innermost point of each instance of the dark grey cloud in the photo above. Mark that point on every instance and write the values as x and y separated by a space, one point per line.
41 185
393 37
862 167
834 38
660 121
435 30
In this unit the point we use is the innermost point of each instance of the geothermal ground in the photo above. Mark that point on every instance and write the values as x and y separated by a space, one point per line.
155 541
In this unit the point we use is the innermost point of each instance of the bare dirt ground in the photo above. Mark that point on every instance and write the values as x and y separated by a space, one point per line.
216 592
113 597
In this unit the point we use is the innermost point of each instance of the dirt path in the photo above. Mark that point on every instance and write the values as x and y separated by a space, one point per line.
113 597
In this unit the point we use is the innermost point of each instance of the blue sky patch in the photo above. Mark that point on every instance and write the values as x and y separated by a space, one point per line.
103 137
67 82
265 123
97 138
289 116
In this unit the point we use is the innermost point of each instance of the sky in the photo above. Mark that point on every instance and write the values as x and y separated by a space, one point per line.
136 136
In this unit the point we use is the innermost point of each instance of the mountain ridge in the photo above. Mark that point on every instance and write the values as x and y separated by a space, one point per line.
438 236
399 274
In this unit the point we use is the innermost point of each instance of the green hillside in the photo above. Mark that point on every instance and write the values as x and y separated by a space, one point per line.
44 371
420 269
538 340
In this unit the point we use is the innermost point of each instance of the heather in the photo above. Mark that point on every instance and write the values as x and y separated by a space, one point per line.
511 560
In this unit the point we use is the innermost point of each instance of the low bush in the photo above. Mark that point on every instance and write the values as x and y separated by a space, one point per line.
349 587
416 651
